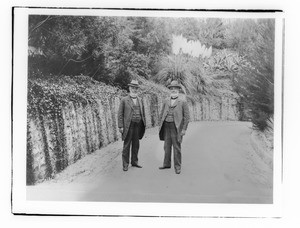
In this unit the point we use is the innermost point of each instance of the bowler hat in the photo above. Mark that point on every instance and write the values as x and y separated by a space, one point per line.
134 83
174 84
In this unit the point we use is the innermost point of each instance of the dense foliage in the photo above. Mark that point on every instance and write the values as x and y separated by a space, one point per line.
115 50
254 82
108 49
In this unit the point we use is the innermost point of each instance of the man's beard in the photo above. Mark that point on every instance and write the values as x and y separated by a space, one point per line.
174 95
133 94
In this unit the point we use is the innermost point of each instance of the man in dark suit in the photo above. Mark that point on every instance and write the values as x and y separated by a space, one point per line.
174 119
131 122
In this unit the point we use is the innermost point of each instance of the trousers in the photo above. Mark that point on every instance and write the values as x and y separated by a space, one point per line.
131 141
171 140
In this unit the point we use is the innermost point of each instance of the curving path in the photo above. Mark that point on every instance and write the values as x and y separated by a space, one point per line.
218 166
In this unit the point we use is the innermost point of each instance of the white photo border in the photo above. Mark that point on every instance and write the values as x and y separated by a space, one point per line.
19 203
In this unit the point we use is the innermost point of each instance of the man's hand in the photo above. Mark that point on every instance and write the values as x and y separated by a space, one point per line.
183 132
121 130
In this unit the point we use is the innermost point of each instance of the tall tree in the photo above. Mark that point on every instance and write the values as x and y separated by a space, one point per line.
255 81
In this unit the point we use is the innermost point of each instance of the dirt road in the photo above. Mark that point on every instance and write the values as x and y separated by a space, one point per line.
218 166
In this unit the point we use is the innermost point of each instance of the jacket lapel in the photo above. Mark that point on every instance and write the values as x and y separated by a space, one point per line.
166 108
130 102
141 107
140 103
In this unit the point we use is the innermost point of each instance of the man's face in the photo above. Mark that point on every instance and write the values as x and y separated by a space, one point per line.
133 90
174 91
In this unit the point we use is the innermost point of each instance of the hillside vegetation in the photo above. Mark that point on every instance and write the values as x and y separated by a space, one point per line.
208 56
79 68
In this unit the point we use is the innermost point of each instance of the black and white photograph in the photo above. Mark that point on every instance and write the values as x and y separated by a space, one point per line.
147 112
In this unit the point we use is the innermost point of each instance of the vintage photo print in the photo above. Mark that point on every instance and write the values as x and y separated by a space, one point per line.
147 112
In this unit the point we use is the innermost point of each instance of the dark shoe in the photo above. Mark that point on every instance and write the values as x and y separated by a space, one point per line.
164 167
136 165
125 168
177 171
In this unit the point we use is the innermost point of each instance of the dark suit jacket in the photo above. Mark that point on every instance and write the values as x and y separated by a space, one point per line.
125 115
181 117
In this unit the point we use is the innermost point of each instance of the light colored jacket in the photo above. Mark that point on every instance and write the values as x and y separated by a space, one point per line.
181 117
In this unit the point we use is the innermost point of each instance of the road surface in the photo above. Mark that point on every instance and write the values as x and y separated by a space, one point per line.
218 166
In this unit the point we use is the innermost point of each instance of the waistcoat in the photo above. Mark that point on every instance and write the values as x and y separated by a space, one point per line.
136 117
170 115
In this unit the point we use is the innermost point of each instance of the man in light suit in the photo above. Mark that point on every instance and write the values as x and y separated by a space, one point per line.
174 119
131 122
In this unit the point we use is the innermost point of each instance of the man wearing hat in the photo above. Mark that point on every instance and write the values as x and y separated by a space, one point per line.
174 119
131 122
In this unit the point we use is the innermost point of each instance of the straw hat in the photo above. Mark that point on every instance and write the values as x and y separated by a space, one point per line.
174 84
134 83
